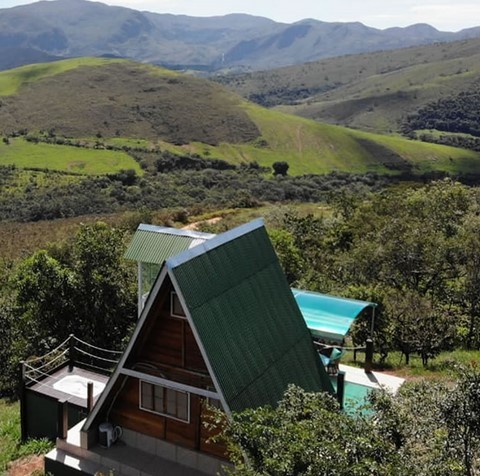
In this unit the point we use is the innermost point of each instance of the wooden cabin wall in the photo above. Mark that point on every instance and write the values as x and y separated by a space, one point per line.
126 412
167 344
171 340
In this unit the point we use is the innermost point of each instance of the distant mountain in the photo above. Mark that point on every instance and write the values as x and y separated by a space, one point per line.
13 56
370 91
69 28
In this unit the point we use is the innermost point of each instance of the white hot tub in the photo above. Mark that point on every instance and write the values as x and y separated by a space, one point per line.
76 385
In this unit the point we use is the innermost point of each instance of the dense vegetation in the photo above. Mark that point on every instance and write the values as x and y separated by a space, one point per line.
455 116
427 429
81 286
413 250
452 114
42 195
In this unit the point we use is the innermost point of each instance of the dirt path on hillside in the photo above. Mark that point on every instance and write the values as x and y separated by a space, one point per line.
194 226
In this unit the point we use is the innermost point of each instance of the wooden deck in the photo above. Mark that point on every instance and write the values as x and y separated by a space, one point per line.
50 386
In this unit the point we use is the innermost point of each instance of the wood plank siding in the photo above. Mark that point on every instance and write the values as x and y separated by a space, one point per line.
167 349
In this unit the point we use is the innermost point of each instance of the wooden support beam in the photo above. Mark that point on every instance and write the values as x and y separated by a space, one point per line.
369 356
341 388
23 403
71 352
62 419
89 397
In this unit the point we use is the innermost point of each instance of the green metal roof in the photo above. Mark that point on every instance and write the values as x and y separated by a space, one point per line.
154 244
246 317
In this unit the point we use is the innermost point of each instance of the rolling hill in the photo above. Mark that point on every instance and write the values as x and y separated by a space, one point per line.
374 92
72 28
110 101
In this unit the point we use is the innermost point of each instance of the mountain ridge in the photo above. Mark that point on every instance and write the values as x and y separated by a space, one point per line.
69 28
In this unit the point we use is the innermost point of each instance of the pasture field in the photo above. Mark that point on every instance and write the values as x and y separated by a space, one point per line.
310 147
85 161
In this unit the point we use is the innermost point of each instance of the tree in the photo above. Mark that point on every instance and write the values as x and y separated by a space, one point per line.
45 302
288 253
412 420
280 168
419 324
469 282
306 435
105 295
85 289
436 426
10 345
461 413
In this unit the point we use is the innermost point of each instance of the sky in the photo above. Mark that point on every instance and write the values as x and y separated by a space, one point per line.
445 15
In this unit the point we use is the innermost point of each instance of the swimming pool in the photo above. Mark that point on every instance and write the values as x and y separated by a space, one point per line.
355 395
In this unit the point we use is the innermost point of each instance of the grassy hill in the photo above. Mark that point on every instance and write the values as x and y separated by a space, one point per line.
121 103
373 91
312 147
64 158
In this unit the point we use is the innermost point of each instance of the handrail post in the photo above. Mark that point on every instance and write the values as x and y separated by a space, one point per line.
71 352
23 403
89 397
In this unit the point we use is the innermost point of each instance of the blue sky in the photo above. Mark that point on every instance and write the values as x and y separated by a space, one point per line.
447 15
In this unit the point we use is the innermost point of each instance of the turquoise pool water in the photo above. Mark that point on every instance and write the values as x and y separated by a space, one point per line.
355 395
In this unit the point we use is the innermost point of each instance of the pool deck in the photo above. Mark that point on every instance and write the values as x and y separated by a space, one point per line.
373 379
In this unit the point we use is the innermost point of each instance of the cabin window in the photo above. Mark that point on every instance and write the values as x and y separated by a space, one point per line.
165 401
176 309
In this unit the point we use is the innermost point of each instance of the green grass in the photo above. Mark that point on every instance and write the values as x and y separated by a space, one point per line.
12 80
437 134
427 157
442 367
308 147
316 148
65 158
10 446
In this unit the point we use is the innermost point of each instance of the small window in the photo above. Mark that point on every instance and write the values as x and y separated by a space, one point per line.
165 401
176 309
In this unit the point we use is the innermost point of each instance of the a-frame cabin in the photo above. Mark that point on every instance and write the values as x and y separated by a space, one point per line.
221 326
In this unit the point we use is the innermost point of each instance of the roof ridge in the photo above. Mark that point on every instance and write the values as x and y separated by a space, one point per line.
167 230
215 242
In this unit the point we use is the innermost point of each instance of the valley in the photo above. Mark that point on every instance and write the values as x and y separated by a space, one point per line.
358 147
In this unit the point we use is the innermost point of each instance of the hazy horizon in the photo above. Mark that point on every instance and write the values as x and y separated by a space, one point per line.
441 14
